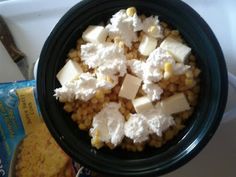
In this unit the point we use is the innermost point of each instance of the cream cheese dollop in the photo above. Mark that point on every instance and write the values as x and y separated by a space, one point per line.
83 88
125 27
109 123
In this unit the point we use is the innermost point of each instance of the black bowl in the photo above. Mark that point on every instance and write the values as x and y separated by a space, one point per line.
202 124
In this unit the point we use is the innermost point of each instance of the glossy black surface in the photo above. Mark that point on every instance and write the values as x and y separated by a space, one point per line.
200 128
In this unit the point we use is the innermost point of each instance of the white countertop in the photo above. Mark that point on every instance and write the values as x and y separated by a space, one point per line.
31 21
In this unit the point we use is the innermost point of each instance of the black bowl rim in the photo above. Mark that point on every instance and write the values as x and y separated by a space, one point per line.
210 132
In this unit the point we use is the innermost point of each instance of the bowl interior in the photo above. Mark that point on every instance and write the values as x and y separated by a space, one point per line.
200 127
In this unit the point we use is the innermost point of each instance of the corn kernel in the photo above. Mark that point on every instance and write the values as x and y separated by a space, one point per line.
169 135
163 24
175 32
121 44
117 39
133 148
74 117
68 107
87 122
152 30
129 105
139 148
125 49
167 75
168 67
85 67
126 113
109 79
166 32
113 97
99 95
196 89
197 72
73 53
179 127
94 100
192 58
131 11
117 89
96 143
127 117
76 59
185 115
189 82
82 127
189 74
108 39
142 17
158 144
130 56
80 41
122 110
172 88
111 146
163 85
84 112
96 133
107 91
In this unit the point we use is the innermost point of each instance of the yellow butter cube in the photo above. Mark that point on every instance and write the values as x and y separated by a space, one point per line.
130 87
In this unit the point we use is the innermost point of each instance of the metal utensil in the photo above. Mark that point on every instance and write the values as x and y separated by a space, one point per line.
17 56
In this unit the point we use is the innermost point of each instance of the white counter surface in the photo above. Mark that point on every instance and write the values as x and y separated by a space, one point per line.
31 21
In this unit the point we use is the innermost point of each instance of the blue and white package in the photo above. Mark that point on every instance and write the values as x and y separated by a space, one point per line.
17 99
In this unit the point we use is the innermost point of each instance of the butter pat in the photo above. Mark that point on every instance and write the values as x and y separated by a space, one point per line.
69 72
130 87
147 45
179 51
142 104
95 34
174 104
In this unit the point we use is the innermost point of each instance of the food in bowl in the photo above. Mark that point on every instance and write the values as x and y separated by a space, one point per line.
131 83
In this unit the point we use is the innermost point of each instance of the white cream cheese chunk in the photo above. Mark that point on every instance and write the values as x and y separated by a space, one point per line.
136 128
95 34
83 88
136 67
142 104
151 27
153 69
141 125
146 71
177 49
111 70
158 122
96 54
159 57
152 90
113 67
125 27
130 87
109 81
174 104
70 71
155 64
147 45
109 123
108 60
